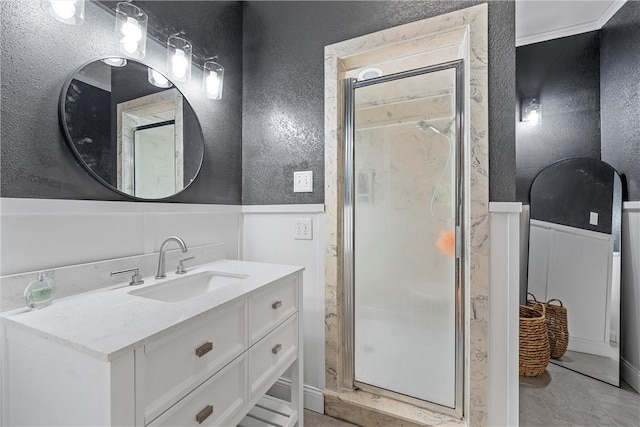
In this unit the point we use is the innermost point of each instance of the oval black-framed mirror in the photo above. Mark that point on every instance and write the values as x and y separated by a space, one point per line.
131 128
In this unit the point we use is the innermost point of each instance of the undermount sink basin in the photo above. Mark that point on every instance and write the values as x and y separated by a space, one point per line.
189 286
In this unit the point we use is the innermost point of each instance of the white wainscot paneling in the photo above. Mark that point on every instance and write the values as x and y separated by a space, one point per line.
199 228
38 234
45 240
268 237
576 267
630 294
524 252
504 294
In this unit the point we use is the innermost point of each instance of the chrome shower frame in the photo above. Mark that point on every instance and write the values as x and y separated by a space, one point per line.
347 377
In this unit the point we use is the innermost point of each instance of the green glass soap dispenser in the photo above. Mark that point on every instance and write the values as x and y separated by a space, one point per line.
39 293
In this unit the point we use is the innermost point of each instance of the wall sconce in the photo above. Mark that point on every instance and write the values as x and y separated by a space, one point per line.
179 51
530 110
131 26
157 79
70 12
212 78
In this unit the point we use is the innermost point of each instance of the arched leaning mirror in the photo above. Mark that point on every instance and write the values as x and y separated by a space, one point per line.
574 257
131 128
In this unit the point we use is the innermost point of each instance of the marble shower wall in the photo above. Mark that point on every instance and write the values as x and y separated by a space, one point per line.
457 35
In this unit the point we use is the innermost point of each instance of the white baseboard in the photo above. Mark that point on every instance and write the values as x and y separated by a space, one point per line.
597 348
630 374
313 397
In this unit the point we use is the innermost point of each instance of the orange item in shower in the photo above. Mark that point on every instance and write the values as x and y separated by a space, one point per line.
447 242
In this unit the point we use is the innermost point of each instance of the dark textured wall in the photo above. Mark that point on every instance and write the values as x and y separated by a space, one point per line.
38 53
564 74
567 191
283 90
620 94
91 128
283 102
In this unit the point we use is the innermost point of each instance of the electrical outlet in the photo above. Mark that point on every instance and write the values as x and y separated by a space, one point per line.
303 182
302 229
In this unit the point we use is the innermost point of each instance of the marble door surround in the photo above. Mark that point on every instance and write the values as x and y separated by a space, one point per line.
458 35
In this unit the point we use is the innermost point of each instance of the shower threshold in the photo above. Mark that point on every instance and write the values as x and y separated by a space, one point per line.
451 412
363 407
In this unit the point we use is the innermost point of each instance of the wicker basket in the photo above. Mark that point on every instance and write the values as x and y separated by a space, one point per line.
535 304
534 341
557 327
556 319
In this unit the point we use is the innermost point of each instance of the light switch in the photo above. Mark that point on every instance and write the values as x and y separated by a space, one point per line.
303 182
593 218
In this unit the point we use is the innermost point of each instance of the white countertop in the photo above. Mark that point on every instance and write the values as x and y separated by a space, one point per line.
109 322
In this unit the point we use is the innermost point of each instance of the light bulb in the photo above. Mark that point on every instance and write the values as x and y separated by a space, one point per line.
213 78
129 45
213 85
130 30
65 9
157 79
115 62
179 64
533 117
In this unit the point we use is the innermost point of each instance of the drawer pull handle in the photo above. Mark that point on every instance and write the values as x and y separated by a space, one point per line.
276 305
204 349
204 414
276 348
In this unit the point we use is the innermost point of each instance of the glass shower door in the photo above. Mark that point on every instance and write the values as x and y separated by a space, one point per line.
405 212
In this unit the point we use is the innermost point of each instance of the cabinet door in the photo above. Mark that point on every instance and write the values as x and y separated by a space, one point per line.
172 366
212 403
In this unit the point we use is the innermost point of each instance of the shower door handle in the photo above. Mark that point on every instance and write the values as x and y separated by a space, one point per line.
458 241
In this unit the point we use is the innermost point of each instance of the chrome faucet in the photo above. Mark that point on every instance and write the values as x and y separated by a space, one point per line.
160 274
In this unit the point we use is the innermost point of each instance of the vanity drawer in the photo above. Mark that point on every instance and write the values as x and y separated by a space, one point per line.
270 306
272 354
172 366
213 402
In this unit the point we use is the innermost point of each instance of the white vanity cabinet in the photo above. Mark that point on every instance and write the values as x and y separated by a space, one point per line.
212 369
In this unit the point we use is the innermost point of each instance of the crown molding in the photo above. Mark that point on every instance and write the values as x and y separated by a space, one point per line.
572 30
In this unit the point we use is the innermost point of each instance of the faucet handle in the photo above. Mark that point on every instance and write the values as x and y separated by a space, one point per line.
181 269
136 278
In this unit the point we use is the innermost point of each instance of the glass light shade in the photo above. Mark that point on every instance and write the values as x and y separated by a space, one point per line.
212 79
131 26
115 62
179 52
70 12
157 79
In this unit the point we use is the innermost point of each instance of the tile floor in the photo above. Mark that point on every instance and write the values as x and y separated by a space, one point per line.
313 419
557 398
560 397
601 368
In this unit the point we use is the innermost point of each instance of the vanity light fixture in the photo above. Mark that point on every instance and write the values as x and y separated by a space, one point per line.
115 62
131 26
157 79
70 12
212 78
179 52
530 110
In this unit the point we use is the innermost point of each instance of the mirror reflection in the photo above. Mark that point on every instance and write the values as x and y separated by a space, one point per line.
574 257
131 128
